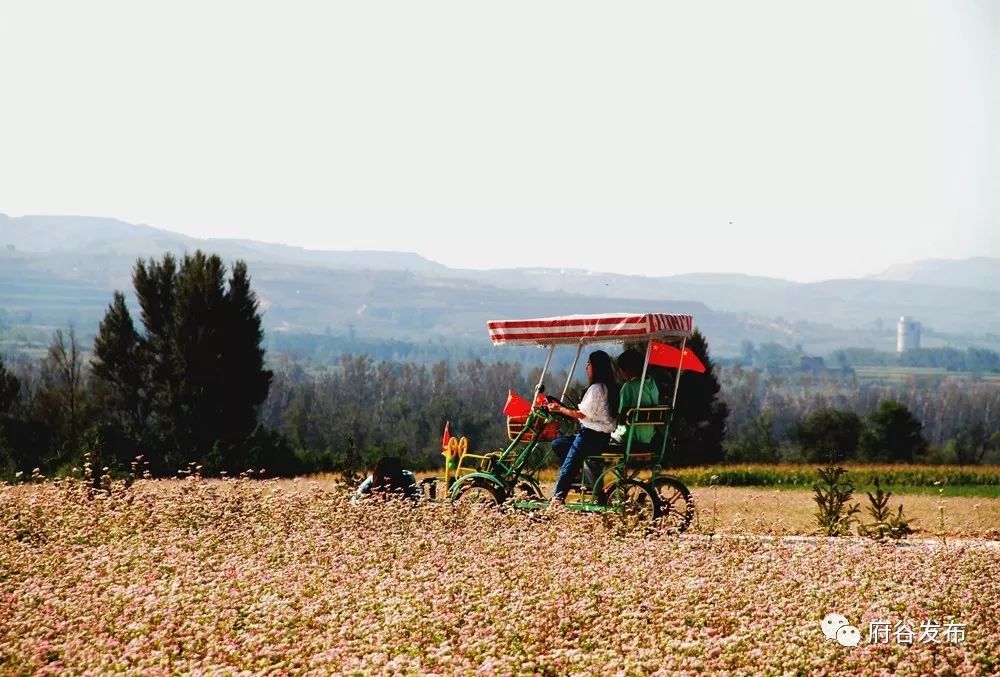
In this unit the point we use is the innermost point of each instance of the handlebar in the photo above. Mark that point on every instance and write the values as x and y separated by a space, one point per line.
555 414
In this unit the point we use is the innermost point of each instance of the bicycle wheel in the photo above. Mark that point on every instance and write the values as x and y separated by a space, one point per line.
676 504
526 490
633 498
477 492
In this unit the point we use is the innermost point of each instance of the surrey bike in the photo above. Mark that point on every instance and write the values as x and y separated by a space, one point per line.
632 477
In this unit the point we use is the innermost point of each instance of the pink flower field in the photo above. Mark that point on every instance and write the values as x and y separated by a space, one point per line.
244 576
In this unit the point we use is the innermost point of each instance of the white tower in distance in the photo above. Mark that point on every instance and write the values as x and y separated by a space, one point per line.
907 334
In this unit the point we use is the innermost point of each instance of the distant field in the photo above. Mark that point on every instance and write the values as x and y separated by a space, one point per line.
937 480
775 512
898 374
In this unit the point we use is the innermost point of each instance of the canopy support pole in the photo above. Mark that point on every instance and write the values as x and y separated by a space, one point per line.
677 381
569 376
545 369
645 364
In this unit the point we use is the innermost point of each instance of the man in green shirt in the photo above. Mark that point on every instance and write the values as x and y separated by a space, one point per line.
630 366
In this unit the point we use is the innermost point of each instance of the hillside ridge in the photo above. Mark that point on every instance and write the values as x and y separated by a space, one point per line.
60 270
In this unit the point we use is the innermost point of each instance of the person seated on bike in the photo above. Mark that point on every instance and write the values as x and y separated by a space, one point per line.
597 417
389 479
630 368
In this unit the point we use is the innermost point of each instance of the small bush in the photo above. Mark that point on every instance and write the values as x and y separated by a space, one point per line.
833 492
885 524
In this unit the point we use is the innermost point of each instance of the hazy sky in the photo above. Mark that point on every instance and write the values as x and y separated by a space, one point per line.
804 140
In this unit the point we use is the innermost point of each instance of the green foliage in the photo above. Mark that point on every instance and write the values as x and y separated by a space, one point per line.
972 442
952 359
884 523
755 442
187 389
61 401
829 435
776 356
832 494
118 365
893 434
699 425
344 418
10 388
801 476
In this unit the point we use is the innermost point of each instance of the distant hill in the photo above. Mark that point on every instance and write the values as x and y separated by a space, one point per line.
111 237
976 273
859 304
62 270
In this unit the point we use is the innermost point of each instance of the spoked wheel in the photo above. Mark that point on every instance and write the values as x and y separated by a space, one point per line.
676 504
634 498
526 490
479 493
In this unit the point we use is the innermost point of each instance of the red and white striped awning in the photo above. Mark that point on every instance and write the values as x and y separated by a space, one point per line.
610 327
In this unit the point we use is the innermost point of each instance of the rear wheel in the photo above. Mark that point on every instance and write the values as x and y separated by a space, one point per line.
632 497
526 490
477 492
676 504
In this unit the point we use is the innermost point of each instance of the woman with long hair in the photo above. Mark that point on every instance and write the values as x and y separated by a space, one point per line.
598 416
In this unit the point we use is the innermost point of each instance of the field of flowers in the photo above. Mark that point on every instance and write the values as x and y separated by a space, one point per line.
248 575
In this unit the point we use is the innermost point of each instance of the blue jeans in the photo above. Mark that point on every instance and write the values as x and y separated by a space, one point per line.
585 443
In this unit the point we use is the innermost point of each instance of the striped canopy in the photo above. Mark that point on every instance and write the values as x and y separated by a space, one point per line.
611 327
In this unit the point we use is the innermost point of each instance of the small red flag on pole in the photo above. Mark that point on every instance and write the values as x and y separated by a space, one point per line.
446 437
516 405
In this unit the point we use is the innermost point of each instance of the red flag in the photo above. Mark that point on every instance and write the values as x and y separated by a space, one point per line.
516 405
446 438
690 362
663 355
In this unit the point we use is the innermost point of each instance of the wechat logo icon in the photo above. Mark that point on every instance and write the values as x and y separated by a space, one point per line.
836 626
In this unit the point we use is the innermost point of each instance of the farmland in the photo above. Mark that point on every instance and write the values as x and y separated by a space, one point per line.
921 374
286 575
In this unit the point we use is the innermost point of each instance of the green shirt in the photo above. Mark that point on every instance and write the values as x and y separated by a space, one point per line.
627 398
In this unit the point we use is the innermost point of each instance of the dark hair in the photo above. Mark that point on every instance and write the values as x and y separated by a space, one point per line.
630 361
388 474
603 371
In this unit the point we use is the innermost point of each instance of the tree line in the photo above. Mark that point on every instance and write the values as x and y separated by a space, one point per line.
775 357
189 385
811 418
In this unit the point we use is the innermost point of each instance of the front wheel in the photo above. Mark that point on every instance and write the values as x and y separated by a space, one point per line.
477 492
676 503
633 498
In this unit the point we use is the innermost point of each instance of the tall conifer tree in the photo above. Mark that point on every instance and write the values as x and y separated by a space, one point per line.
699 424
196 376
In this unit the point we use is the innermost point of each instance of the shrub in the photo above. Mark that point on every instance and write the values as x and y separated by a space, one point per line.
885 524
833 494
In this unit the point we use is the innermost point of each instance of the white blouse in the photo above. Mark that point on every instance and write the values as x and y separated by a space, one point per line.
594 406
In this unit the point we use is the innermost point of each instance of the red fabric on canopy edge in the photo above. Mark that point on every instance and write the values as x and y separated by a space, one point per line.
590 328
